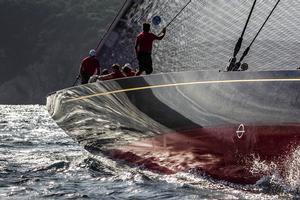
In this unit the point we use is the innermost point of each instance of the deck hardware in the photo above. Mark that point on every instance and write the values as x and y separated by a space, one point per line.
240 131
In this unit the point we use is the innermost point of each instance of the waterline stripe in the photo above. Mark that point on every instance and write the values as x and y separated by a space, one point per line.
182 84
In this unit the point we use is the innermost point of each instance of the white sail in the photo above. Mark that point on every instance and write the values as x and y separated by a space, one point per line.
203 36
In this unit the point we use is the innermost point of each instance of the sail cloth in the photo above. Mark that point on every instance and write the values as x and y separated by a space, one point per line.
203 36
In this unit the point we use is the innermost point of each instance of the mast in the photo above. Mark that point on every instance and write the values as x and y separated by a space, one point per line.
121 14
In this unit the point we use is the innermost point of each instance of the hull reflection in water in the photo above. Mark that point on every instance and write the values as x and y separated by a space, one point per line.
214 122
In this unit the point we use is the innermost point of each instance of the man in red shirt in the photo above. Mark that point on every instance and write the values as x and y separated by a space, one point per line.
143 48
116 73
127 70
89 66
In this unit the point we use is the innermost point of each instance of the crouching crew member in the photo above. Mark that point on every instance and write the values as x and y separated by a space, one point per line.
127 70
116 73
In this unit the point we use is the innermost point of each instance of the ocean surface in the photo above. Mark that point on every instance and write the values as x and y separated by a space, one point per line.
40 161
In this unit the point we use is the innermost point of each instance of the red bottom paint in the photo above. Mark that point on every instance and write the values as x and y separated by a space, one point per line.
222 153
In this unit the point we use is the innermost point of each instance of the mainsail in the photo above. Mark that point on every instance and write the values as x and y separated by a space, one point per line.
204 35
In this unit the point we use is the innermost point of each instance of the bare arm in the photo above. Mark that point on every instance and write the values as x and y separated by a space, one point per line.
162 34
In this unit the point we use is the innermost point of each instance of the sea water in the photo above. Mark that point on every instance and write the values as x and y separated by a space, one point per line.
38 160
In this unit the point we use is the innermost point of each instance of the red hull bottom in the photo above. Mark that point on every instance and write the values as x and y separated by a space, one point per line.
222 153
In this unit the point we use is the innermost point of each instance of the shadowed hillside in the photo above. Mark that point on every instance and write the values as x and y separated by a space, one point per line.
43 41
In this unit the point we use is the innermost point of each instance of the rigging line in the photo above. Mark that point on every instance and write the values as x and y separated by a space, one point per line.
100 42
145 12
240 41
110 26
248 48
139 20
178 13
182 9
134 57
77 78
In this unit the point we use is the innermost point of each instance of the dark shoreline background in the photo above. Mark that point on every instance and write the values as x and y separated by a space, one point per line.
43 42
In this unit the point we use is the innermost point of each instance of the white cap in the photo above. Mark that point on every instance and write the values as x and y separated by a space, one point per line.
92 52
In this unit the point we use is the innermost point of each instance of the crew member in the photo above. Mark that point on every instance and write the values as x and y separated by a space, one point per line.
89 66
143 48
116 73
104 72
127 70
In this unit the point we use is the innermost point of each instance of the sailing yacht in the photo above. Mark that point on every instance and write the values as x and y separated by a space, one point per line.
216 122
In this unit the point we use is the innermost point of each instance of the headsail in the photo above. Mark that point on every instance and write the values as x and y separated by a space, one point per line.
205 33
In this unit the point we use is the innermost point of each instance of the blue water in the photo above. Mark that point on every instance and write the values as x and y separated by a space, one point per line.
39 161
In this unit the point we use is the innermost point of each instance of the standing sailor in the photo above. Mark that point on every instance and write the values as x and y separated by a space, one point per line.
89 66
143 48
